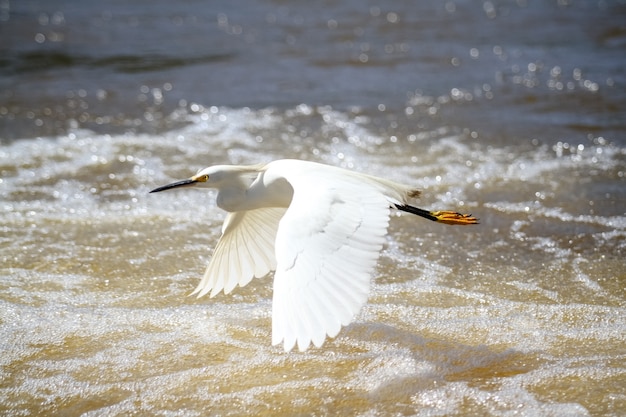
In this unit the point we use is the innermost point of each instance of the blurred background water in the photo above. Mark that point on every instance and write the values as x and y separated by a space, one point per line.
511 110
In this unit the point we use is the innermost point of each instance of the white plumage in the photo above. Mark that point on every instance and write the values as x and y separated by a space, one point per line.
320 228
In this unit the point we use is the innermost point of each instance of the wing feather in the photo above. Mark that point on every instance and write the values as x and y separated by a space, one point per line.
327 246
326 316
244 251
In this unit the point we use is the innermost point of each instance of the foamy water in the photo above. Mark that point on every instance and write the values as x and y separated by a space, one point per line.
522 314
511 111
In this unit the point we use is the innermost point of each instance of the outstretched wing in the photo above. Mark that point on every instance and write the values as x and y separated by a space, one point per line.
327 246
245 251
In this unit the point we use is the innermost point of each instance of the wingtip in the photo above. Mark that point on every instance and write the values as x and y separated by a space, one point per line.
414 193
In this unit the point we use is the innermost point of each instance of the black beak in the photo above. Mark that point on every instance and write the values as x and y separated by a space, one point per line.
183 183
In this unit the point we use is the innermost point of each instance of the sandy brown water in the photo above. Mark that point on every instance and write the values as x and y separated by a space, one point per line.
521 315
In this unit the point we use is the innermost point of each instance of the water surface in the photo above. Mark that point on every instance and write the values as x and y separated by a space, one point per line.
510 110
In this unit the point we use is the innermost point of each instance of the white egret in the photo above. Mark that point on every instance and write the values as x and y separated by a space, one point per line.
320 228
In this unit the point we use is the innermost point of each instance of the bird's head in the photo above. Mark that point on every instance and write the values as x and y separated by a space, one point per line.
203 177
218 176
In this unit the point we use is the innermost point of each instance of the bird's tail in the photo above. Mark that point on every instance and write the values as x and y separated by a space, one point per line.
446 217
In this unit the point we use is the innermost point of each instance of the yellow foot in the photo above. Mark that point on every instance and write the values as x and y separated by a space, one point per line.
452 217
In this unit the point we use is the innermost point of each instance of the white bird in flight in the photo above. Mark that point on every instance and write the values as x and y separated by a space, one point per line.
319 227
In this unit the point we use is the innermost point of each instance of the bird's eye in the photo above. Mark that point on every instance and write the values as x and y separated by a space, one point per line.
202 178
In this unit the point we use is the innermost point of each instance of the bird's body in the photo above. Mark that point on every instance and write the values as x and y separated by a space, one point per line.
320 228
